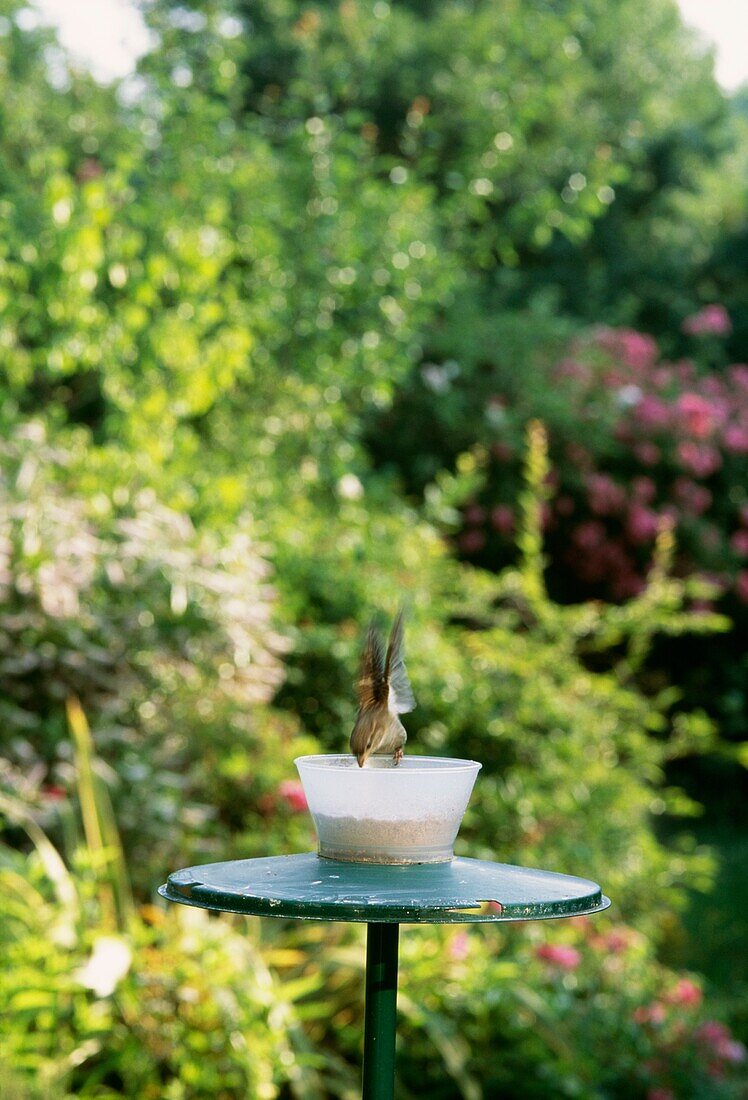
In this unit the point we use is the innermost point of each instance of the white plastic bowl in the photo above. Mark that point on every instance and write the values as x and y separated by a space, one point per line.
387 813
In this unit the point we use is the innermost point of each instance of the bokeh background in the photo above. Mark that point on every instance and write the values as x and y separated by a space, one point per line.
327 306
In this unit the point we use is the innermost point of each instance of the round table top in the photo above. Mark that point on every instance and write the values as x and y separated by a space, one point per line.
310 887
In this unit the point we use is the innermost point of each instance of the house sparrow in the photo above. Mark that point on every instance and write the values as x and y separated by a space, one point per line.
384 692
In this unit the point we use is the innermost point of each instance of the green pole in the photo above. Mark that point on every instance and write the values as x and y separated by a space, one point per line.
381 1011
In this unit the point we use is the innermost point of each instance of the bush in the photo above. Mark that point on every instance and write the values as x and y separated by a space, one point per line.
166 638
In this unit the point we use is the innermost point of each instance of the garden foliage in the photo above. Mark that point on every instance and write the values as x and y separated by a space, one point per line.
298 266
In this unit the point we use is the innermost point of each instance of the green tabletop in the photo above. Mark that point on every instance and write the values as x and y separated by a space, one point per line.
309 887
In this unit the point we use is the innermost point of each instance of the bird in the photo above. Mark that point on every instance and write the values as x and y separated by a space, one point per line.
384 692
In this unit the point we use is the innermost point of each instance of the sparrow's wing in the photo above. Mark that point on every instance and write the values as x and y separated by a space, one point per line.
372 685
401 698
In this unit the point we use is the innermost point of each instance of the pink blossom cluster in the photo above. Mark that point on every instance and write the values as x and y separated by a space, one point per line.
677 458
718 1042
712 320
559 955
291 792
670 1023
711 1041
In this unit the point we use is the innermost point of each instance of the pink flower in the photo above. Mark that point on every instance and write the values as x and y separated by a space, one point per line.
557 954
644 489
648 453
741 585
502 519
698 415
717 1038
605 497
739 543
739 375
474 514
642 524
589 535
459 946
614 942
711 1032
292 793
732 1051
652 413
685 993
472 541
712 320
693 498
736 439
661 377
700 460
634 349
571 368
653 1013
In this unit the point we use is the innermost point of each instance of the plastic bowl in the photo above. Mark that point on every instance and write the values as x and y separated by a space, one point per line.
387 813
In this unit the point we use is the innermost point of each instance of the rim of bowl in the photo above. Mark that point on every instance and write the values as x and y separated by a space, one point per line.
323 761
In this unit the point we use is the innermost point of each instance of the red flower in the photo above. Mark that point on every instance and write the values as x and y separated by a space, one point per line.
557 954
292 793
53 793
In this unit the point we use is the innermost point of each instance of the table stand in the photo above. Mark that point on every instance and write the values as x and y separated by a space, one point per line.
307 887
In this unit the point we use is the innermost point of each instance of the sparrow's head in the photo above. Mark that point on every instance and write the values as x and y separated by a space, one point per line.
363 744
363 754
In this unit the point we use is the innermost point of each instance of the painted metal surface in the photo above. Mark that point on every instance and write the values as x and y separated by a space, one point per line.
381 1012
308 887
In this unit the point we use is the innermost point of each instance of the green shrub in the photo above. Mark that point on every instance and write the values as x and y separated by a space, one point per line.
164 634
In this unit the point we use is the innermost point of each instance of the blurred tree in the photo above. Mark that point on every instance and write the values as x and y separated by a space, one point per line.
562 141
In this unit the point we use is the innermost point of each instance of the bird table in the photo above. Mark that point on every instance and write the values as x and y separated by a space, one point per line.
310 887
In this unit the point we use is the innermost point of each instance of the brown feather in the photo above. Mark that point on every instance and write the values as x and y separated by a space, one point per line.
372 685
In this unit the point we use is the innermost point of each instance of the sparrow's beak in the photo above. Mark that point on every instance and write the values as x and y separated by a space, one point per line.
362 757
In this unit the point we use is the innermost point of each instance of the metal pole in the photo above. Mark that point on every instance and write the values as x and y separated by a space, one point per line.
381 1011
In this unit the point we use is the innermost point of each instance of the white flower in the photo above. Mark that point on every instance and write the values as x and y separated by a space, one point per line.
629 395
350 488
109 963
